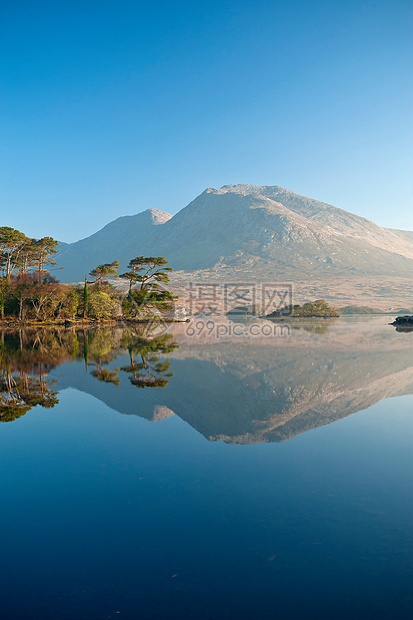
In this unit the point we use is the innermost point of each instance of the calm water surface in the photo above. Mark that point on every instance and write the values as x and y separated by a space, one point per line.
246 478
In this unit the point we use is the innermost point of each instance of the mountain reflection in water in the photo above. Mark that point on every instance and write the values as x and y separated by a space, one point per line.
240 391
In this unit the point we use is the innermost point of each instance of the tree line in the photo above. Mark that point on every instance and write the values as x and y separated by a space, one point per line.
29 291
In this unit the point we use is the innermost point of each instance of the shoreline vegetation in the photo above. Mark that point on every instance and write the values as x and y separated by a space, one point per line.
31 295
79 323
312 309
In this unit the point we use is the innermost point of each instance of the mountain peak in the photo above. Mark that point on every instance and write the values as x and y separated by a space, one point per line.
261 230
156 216
246 189
152 216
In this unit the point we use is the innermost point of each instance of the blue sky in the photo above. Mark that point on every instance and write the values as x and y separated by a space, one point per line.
108 108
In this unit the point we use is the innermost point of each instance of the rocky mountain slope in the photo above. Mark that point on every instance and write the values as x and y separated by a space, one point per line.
267 231
120 239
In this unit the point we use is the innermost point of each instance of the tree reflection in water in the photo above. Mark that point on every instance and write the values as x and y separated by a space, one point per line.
28 355
150 371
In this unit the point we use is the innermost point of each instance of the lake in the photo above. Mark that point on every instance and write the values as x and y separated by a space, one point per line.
207 475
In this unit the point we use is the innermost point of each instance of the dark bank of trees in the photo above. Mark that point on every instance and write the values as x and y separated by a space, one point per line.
30 292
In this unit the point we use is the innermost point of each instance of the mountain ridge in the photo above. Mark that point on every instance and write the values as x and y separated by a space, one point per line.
249 229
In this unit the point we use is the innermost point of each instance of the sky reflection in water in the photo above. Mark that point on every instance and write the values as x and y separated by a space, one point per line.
104 513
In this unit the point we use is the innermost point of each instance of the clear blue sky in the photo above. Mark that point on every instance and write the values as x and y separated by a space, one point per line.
108 108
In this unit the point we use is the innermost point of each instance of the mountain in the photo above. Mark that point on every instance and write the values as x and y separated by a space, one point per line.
266 231
120 239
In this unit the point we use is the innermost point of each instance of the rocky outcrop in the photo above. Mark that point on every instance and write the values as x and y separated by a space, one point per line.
403 323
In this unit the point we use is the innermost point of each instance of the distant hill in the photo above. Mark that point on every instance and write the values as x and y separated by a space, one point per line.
267 231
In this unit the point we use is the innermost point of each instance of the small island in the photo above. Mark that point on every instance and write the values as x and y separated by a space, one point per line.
311 309
403 323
